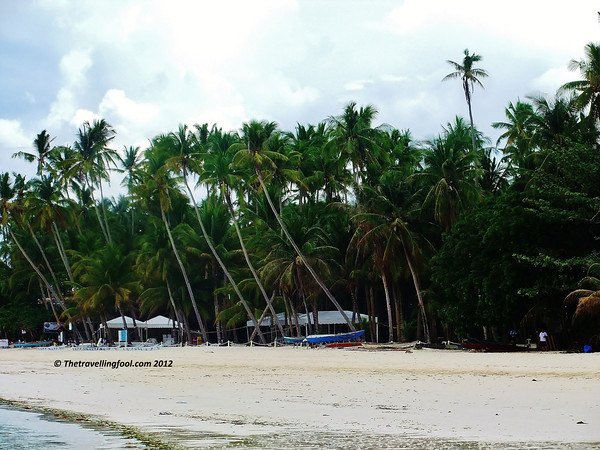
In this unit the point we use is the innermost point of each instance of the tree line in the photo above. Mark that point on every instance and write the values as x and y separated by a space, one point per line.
447 237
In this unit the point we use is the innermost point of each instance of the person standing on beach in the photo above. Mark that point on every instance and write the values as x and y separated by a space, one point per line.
543 340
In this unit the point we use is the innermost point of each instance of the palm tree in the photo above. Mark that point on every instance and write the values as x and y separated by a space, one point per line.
354 135
384 227
42 146
518 131
157 188
449 175
130 164
470 76
185 158
255 135
106 281
588 88
92 159
217 171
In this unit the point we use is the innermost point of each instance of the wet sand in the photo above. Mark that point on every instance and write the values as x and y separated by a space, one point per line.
202 396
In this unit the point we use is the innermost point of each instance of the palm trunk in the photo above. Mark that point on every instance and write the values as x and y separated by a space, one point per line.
388 305
185 277
45 258
251 266
298 252
221 264
216 305
419 297
175 310
61 250
104 212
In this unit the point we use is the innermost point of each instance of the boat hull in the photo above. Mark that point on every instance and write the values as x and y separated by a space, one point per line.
325 338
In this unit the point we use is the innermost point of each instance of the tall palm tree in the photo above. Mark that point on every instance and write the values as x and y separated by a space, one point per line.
130 164
470 77
255 135
354 135
217 170
42 146
93 158
157 188
185 157
588 88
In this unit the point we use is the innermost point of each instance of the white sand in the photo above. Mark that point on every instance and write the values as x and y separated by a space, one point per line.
483 397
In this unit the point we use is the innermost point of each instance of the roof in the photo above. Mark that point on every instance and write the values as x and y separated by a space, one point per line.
325 318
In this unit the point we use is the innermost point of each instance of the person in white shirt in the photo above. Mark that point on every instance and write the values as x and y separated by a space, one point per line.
543 340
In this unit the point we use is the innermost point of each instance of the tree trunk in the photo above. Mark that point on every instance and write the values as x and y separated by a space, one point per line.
419 297
251 267
221 264
185 277
298 252
388 305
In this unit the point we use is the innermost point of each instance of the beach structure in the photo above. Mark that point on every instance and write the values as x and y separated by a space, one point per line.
154 327
331 319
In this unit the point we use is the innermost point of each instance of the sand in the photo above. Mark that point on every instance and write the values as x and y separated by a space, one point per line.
203 396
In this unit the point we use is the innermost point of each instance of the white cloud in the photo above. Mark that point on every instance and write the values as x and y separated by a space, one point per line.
74 67
552 79
12 135
116 103
357 85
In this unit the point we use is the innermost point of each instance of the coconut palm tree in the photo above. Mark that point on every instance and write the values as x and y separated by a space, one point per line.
92 160
158 189
587 89
255 135
470 76
184 156
354 135
218 172
106 281
42 146
130 165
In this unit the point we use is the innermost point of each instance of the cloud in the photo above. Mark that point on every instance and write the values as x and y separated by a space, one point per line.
116 103
13 139
552 79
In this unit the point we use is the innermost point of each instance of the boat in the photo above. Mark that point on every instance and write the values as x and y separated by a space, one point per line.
343 344
293 340
490 346
31 344
325 338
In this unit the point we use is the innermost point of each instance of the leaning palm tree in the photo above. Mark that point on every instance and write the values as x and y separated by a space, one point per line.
218 172
184 157
255 135
470 76
588 88
157 188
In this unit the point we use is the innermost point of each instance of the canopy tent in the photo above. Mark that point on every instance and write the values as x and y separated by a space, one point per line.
117 322
161 322
155 322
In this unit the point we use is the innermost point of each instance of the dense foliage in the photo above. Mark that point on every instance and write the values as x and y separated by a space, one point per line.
446 237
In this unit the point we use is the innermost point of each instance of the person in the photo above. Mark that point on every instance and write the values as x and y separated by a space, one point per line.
513 336
543 340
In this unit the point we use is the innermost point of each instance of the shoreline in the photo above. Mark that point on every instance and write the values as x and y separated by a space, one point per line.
238 394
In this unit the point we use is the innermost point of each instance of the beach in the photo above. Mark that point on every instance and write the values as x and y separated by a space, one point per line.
288 397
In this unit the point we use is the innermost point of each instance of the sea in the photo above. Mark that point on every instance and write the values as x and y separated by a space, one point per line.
21 429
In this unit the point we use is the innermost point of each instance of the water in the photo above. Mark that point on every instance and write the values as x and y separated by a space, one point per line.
29 430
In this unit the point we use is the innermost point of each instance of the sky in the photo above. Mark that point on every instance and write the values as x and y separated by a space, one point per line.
147 66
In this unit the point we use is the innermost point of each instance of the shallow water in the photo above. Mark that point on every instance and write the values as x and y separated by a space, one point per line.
30 430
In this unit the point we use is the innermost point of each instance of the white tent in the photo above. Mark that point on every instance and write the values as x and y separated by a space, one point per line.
117 322
161 322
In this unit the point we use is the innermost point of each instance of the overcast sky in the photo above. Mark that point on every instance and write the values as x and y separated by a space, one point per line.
147 66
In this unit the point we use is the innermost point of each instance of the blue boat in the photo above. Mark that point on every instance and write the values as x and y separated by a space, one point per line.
293 340
325 338
31 344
